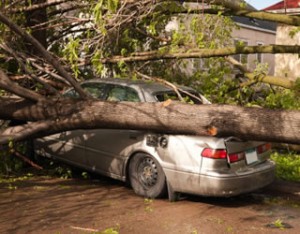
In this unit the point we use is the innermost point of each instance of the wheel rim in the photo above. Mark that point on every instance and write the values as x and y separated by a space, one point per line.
147 172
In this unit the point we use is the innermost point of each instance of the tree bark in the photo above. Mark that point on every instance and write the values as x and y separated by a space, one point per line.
272 80
204 53
176 118
36 17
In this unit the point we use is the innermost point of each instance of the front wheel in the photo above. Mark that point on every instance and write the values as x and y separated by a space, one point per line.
146 176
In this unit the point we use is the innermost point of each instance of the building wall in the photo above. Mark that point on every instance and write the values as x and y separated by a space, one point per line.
255 37
287 65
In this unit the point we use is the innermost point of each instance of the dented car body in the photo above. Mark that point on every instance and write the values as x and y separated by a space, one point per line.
159 164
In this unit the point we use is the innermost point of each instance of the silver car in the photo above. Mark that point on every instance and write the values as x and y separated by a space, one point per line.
159 164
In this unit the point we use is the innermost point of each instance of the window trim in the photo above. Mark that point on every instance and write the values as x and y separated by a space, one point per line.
259 43
240 56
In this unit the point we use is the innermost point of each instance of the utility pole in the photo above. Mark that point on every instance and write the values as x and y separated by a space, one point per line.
285 5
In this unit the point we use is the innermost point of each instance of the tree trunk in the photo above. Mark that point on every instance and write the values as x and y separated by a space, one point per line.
33 18
178 118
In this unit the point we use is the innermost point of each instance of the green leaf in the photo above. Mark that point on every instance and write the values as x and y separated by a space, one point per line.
112 5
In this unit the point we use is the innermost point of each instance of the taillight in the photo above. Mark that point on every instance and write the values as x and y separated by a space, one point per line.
222 154
214 153
263 148
236 157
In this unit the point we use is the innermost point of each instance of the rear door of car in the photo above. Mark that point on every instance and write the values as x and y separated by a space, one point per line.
67 146
105 148
70 146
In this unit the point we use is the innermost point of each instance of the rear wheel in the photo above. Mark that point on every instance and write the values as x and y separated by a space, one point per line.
146 176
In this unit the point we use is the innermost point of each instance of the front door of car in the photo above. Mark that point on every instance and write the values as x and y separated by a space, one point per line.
106 149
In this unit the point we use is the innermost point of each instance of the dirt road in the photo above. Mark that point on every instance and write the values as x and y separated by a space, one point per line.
49 205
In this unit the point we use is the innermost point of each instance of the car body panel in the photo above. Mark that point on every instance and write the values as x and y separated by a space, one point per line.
109 151
212 184
70 144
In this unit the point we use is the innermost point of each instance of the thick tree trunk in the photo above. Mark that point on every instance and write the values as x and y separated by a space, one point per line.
214 120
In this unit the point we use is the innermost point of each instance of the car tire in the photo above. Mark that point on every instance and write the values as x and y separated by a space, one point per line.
146 176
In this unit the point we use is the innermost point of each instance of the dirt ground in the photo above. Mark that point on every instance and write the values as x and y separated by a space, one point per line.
51 205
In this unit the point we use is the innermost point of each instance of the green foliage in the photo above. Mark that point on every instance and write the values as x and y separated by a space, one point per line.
85 175
243 4
215 81
71 53
211 76
294 32
97 65
287 166
2 92
278 224
11 181
113 230
261 69
148 204
8 162
112 5
98 16
64 172
100 9
282 99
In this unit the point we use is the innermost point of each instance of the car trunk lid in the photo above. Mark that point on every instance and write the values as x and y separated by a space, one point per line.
246 153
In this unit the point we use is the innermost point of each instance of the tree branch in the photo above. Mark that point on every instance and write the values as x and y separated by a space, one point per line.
31 74
8 85
50 58
272 80
38 6
203 53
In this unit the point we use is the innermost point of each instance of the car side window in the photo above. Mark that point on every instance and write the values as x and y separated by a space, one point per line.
122 93
71 94
163 96
96 90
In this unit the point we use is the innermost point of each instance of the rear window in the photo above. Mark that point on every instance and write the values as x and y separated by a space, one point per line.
193 98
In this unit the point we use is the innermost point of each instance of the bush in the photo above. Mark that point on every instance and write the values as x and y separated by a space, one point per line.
287 166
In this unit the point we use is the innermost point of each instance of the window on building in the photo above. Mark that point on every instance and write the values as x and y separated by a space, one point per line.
242 58
259 56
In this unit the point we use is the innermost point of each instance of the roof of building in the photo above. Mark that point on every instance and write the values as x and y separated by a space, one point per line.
289 4
255 23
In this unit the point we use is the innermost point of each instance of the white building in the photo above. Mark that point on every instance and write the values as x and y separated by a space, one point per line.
286 65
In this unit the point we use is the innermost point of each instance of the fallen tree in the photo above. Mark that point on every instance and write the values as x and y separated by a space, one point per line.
43 115
177 118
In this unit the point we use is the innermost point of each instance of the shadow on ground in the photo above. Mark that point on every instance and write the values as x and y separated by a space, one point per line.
52 205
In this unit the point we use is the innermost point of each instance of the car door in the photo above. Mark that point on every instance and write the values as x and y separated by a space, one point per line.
70 146
106 149
67 146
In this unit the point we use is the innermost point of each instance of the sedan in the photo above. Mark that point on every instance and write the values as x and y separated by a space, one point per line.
161 164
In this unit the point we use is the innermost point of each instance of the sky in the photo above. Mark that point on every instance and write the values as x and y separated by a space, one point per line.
260 4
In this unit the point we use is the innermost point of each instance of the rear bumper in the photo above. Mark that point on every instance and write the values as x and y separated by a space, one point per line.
220 186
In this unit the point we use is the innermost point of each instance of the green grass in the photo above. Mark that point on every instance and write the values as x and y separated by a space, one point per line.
287 166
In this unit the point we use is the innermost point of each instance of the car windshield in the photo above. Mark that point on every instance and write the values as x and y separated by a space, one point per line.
193 98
